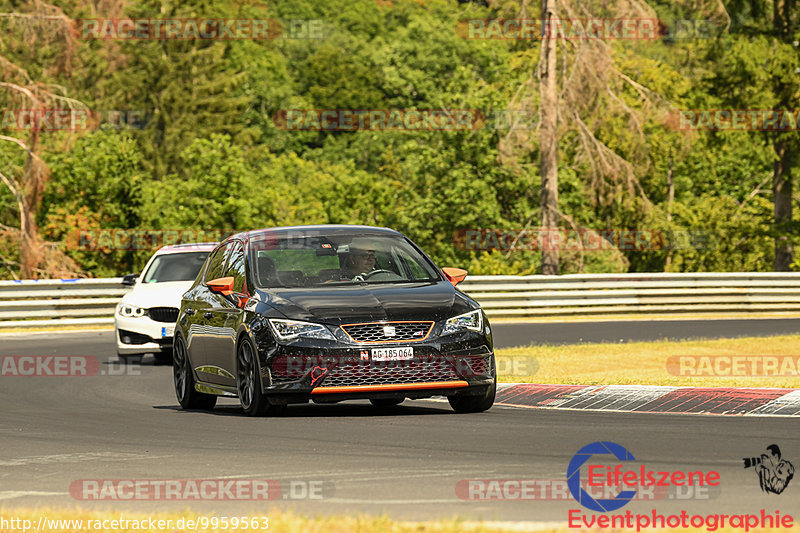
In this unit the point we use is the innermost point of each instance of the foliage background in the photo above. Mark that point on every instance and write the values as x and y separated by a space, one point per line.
210 157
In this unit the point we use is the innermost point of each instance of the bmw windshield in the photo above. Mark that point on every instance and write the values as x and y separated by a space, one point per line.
182 266
308 259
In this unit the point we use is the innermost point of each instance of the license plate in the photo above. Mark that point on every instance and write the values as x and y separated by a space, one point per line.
392 354
168 331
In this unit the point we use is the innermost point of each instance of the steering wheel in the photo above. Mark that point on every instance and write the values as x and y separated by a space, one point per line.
379 271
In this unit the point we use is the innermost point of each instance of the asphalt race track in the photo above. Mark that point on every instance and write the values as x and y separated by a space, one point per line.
124 423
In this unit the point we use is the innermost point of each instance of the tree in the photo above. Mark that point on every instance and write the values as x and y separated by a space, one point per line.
549 139
756 68
24 172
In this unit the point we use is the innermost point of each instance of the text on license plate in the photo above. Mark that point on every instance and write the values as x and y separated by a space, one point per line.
167 331
392 354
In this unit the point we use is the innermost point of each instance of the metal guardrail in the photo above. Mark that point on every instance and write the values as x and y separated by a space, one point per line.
621 294
59 302
31 303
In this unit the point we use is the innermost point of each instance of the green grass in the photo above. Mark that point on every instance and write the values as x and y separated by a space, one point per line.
642 363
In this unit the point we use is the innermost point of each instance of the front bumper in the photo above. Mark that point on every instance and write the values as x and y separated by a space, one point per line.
143 335
456 364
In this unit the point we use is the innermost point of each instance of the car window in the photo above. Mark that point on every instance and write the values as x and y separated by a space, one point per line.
175 267
415 270
216 265
236 267
311 260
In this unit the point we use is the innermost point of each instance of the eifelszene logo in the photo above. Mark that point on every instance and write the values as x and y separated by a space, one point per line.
774 473
618 476
574 477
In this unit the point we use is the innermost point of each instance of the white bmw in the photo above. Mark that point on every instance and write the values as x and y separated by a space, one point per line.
144 321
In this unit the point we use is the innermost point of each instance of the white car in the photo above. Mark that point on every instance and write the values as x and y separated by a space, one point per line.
144 321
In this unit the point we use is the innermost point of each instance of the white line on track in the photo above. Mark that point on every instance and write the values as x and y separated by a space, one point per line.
77 458
11 494
392 502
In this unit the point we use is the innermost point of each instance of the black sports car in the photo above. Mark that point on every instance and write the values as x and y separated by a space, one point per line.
329 313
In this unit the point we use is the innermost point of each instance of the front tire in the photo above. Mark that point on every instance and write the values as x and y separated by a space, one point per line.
476 404
248 383
183 378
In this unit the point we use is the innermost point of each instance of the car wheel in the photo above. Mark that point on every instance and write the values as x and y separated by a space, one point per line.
183 376
164 357
248 383
386 402
476 404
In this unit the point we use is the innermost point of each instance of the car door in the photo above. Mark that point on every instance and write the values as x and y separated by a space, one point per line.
221 354
205 328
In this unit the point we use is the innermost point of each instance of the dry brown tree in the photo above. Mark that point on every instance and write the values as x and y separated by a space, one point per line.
22 170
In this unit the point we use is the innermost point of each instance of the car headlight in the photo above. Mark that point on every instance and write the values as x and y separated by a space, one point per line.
130 311
472 321
291 329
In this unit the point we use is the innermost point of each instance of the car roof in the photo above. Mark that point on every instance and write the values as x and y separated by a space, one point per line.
188 247
321 228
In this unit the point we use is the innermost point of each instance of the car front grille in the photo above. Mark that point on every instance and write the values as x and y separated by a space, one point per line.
388 331
416 371
351 371
163 314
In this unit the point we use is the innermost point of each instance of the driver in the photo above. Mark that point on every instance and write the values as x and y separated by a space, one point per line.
358 261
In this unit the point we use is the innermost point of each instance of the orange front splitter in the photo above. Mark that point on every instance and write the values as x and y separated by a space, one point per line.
392 387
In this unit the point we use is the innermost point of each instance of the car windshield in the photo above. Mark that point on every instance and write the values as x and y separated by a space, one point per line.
175 267
303 259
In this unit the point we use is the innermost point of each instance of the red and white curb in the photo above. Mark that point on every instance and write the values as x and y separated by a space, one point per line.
652 399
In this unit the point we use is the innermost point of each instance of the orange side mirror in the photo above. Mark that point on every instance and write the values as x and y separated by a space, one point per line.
454 275
224 286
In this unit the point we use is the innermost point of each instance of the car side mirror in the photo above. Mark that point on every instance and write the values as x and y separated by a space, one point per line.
129 279
454 275
223 286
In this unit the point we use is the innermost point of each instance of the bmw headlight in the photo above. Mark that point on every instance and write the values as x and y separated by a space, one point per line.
130 311
472 321
287 330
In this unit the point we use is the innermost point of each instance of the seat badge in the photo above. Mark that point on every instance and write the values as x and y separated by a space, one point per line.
389 331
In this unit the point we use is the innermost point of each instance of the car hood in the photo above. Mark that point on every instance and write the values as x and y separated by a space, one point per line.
368 303
166 294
